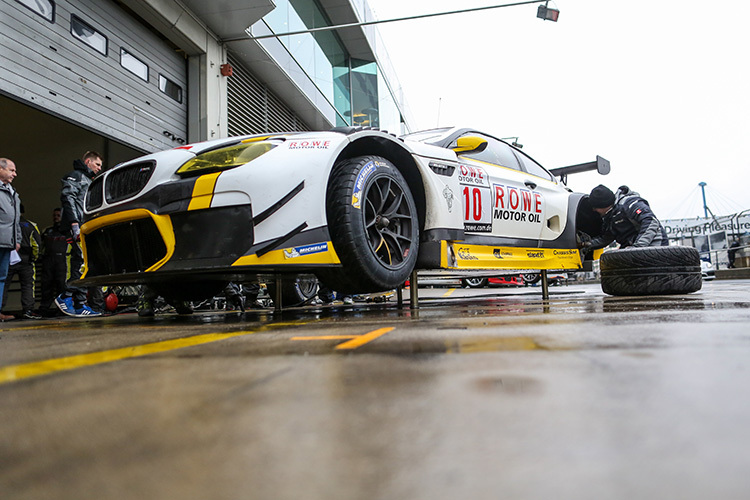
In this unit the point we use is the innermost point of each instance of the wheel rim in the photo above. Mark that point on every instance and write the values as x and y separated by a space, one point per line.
308 287
474 282
531 277
388 221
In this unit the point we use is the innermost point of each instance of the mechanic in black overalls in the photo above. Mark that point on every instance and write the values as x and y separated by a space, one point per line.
54 263
626 218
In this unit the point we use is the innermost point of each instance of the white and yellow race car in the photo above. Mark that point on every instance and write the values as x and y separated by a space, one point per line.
360 208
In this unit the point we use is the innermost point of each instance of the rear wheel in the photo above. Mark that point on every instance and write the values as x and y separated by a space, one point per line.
372 219
651 271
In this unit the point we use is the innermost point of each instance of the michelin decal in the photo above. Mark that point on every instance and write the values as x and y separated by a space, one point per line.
292 253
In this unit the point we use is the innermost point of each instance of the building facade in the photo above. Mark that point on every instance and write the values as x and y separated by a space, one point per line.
128 77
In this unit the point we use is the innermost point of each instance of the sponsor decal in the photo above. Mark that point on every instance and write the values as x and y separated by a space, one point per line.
565 252
359 183
471 175
512 203
465 254
291 253
309 144
535 255
501 254
478 228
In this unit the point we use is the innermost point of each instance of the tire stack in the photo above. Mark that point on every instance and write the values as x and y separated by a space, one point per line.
651 271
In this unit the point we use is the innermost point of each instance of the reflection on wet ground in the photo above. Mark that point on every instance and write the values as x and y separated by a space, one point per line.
475 395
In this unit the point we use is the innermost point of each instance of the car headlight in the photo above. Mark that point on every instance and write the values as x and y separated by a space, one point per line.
227 157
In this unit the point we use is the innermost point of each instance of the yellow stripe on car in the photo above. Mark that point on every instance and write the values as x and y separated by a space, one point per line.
203 192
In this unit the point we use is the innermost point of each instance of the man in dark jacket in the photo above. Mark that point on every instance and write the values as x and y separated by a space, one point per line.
74 186
626 218
10 230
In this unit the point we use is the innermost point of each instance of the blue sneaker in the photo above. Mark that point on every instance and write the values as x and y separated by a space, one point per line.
85 312
65 304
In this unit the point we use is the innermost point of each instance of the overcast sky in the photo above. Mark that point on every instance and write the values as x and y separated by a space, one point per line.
658 88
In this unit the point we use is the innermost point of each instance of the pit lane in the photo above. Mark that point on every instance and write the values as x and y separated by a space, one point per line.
476 394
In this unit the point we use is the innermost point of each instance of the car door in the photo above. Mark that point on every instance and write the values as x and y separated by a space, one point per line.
498 196
554 196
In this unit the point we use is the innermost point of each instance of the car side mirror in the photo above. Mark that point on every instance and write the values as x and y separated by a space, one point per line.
469 144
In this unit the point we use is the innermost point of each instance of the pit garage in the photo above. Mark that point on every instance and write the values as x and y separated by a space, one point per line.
78 76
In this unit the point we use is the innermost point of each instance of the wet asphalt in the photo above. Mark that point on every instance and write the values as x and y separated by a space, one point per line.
482 394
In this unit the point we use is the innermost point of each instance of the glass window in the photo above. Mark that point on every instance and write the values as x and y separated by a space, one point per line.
170 88
533 167
497 152
45 8
321 55
88 35
365 110
133 64
390 116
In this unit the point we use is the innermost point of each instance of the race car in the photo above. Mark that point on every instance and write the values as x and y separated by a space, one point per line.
360 208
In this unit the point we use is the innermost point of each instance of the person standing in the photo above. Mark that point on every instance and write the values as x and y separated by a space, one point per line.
54 263
74 186
26 267
732 252
10 229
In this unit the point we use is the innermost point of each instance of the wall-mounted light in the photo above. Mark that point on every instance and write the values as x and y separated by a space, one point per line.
547 13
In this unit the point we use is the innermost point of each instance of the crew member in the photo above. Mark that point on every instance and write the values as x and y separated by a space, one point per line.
74 186
626 218
54 263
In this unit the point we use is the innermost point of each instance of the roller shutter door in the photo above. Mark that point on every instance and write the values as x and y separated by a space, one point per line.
253 108
94 64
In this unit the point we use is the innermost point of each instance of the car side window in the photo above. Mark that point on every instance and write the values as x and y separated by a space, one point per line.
534 168
497 152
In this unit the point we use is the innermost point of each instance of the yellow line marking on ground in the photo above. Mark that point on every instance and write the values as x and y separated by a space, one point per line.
449 292
354 341
35 369
364 339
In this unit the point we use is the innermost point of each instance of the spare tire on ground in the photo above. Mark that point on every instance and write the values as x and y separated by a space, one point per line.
651 271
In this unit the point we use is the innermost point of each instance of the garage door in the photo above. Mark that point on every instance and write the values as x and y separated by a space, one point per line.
93 63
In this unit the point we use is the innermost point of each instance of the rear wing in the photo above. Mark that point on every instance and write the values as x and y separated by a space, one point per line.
600 165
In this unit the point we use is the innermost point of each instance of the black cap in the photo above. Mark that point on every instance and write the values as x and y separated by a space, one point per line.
601 197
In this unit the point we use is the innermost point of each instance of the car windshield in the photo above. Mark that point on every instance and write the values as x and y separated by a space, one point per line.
427 136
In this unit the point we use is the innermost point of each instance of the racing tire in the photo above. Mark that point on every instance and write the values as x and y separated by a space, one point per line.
474 282
374 226
651 271
295 291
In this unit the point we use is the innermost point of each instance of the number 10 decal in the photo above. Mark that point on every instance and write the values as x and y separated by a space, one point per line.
477 217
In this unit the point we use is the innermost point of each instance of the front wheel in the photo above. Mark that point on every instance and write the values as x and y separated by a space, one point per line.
372 219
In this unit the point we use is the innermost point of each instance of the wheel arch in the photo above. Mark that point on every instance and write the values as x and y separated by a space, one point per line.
400 157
